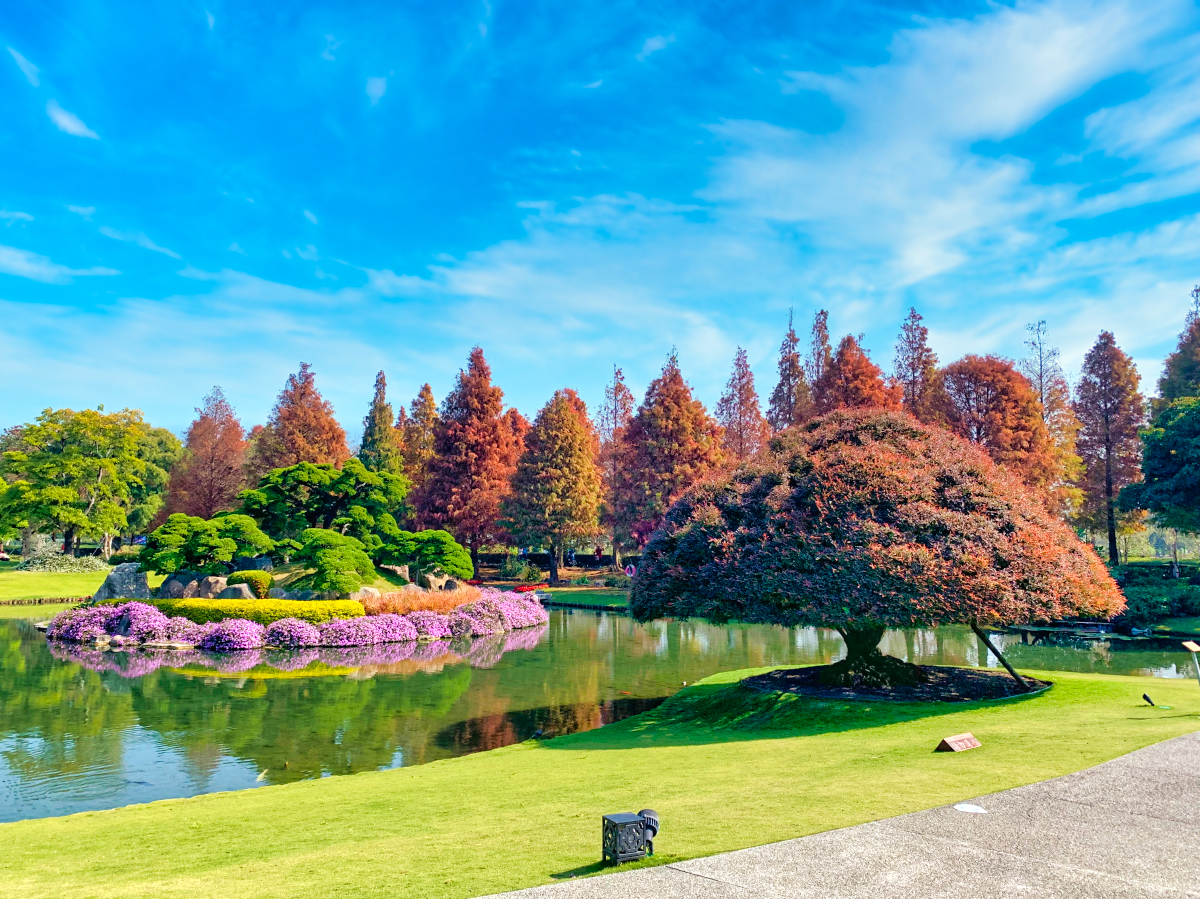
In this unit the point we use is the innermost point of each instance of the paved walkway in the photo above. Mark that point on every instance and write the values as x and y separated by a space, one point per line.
1127 828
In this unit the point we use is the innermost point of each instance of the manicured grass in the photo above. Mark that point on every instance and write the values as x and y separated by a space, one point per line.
41 612
1181 625
724 767
597 596
48 584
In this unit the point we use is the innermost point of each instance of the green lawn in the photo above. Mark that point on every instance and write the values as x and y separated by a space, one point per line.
40 612
1180 625
597 596
724 767
39 584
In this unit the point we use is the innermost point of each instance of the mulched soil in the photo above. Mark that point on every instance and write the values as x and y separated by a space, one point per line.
943 685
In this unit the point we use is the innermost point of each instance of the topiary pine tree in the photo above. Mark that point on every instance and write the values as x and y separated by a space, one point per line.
745 430
341 562
864 520
791 401
428 552
555 496
380 450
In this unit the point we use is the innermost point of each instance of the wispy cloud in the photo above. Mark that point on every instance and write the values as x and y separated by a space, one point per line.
308 215
24 264
14 216
28 69
331 44
376 88
85 211
653 45
137 237
234 248
595 84
211 20
68 121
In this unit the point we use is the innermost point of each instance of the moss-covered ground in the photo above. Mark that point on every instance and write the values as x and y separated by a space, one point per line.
724 767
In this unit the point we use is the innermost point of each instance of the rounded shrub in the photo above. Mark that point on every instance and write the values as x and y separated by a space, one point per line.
260 581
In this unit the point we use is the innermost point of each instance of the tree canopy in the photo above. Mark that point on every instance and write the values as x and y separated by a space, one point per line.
212 472
852 381
866 519
916 368
301 428
1181 369
417 428
431 552
744 430
380 450
341 562
791 401
187 543
1170 485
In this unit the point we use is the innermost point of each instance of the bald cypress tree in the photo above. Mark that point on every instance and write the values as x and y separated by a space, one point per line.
380 450
417 428
738 412
852 381
916 367
301 428
791 401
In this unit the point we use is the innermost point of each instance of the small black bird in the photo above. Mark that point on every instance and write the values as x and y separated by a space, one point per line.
1146 697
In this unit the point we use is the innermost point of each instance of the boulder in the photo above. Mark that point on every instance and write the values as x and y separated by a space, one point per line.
253 563
174 585
191 590
277 593
123 582
236 591
433 582
301 595
211 586
398 570
451 584
364 593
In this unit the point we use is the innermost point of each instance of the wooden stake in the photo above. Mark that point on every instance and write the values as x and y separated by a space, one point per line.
1025 688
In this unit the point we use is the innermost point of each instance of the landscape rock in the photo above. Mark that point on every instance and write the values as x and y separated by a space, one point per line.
399 570
364 593
174 585
192 590
278 593
433 582
450 585
123 582
253 563
237 591
211 586
301 595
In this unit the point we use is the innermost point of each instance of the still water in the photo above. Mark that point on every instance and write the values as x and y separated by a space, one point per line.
83 730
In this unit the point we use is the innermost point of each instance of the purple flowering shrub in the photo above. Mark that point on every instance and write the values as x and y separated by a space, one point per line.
292 633
349 632
430 624
81 625
393 628
233 635
139 622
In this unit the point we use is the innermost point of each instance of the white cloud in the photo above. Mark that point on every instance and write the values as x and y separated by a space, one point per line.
653 45
85 211
594 84
137 237
68 121
234 248
331 44
308 215
211 21
28 69
15 216
376 88
309 253
24 264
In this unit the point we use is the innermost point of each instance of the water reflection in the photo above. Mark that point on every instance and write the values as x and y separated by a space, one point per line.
83 729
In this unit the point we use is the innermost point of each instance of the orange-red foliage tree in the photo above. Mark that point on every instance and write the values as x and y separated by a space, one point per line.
745 430
668 445
985 400
863 520
476 446
916 368
211 474
301 428
614 417
853 381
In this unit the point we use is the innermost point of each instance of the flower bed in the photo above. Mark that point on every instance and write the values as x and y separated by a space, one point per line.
138 622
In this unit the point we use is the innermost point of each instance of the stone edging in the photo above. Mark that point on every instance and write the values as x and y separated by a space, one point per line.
44 601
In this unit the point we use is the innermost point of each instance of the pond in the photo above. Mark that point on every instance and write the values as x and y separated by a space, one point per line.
83 730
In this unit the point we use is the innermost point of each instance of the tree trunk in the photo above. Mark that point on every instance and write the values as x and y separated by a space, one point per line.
616 555
68 544
474 545
1175 555
866 666
1114 554
555 562
27 542
106 546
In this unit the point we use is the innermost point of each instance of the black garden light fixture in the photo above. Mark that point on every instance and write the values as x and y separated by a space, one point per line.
626 837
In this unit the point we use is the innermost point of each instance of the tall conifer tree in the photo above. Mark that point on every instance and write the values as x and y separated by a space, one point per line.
301 428
1181 371
615 415
738 412
380 450
852 381
791 401
820 355
1045 374
555 496
1110 409
212 472
475 455
916 367
417 430
669 445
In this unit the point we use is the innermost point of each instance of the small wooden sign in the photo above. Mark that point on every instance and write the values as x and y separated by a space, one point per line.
1190 646
958 743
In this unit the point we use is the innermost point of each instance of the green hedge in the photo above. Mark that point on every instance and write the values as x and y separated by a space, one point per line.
264 611
260 581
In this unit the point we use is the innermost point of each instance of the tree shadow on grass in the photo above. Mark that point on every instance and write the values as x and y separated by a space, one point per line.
731 712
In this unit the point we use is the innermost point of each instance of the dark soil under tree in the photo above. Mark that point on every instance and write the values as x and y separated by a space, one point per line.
940 684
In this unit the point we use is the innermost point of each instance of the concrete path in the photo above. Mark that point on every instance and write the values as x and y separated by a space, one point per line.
1127 828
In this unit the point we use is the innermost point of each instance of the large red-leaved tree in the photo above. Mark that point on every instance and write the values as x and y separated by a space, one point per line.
476 446
211 474
863 520
301 429
852 381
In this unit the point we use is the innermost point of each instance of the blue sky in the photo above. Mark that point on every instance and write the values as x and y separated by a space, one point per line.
207 193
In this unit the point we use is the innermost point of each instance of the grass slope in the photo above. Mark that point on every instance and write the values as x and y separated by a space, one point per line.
725 768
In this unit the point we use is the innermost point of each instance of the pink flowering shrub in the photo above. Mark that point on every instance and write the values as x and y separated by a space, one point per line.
349 632
393 628
430 624
233 635
292 633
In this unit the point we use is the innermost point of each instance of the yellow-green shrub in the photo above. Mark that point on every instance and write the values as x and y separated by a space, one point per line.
260 581
264 611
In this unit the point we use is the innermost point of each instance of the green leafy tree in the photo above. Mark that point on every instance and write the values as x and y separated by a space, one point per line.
433 552
75 473
380 449
186 543
351 500
555 498
341 561
1181 371
1170 485
791 400
161 451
